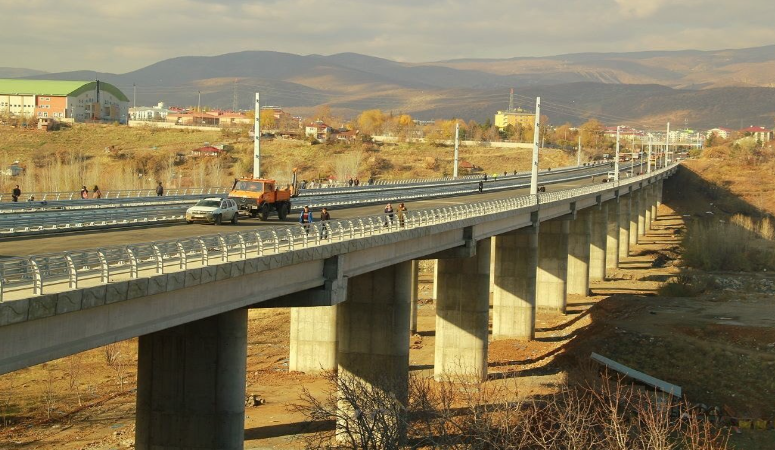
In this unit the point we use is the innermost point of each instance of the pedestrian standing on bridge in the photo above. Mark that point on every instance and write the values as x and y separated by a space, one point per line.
357 182
84 192
324 217
96 193
481 186
159 190
16 193
389 215
402 214
305 219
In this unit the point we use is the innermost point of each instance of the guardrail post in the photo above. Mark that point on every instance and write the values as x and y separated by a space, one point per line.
183 261
362 227
276 241
205 255
72 274
289 234
159 261
243 248
37 278
224 248
132 262
104 267
259 244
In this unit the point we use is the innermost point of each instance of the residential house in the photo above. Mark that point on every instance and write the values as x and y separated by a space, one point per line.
319 130
207 152
723 133
761 134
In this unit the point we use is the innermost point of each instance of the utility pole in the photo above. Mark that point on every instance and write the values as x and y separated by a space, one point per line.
648 169
457 144
134 96
534 170
199 102
578 152
257 141
616 160
511 100
667 145
234 102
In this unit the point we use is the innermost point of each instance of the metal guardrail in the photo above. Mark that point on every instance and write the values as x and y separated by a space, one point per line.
24 277
115 194
49 221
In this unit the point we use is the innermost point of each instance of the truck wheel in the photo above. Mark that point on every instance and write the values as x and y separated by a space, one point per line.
254 213
282 213
218 219
235 218
263 213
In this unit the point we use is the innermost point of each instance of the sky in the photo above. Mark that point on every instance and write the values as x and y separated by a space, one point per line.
120 36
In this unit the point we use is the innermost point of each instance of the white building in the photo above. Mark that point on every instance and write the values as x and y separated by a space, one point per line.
158 112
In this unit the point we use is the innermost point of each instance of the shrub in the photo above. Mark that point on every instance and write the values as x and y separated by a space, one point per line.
733 246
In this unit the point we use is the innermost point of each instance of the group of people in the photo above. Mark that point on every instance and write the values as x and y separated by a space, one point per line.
16 193
355 182
307 218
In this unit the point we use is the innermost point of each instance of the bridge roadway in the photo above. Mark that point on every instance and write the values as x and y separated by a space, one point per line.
351 299
32 245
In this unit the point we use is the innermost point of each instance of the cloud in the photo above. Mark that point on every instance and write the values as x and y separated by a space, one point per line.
124 36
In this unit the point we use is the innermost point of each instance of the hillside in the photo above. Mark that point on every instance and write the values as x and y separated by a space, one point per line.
707 89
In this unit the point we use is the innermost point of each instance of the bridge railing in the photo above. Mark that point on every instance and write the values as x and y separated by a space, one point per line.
116 193
23 277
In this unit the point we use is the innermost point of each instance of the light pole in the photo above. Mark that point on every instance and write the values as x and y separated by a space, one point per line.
457 144
578 152
648 168
616 158
534 169
257 141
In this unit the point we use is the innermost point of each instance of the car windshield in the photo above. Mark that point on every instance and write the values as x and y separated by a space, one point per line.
254 186
209 203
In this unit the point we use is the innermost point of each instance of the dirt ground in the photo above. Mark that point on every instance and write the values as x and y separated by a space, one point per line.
719 347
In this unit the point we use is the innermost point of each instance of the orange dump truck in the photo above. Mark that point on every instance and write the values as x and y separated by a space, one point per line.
259 197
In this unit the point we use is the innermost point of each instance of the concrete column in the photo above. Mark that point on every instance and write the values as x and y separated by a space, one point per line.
515 264
612 239
462 316
373 330
660 186
578 253
634 208
654 203
552 273
648 191
642 213
435 279
624 226
313 339
414 286
597 243
191 385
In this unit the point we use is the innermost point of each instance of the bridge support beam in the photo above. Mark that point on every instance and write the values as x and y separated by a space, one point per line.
552 274
634 209
597 243
625 209
659 198
643 201
373 331
612 236
191 385
462 316
654 202
578 253
649 193
515 264
313 339
414 292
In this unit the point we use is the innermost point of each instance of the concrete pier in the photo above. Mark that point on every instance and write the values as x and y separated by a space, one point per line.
373 330
552 273
462 316
515 262
191 385
634 208
612 236
578 253
597 243
414 286
642 213
313 339
624 226
649 193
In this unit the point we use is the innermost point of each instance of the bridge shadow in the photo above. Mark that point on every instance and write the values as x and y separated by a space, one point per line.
289 429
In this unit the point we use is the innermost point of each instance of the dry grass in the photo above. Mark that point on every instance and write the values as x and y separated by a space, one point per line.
64 160
729 246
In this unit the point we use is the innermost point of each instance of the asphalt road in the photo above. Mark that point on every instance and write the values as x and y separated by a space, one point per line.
112 237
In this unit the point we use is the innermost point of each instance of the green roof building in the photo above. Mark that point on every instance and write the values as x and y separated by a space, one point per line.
78 101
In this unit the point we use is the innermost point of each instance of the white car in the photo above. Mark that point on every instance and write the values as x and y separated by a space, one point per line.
213 210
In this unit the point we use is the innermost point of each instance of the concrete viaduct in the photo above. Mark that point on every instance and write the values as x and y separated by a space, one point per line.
353 299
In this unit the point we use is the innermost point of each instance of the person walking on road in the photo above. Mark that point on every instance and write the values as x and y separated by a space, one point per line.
16 193
159 190
324 217
481 186
305 219
84 192
402 214
96 193
389 214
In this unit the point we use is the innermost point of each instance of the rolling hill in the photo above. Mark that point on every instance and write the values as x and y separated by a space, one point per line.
705 88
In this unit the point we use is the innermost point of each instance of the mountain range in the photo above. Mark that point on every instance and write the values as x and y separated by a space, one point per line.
700 88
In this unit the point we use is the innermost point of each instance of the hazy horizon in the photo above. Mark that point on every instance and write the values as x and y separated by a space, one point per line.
121 37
